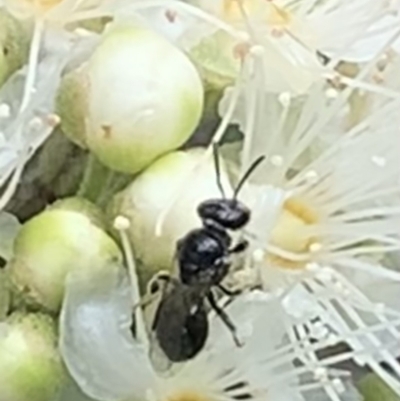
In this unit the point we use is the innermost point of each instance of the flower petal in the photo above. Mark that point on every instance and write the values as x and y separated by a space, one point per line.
95 339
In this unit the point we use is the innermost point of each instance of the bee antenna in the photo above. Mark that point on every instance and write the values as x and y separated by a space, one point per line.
218 169
247 174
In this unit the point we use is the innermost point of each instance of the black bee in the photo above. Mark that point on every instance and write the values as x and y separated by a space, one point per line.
204 257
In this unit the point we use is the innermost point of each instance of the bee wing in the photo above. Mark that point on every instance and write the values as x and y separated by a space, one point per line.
164 366
181 325
159 359
152 302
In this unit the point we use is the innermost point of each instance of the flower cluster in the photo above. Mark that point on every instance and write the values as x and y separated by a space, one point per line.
311 301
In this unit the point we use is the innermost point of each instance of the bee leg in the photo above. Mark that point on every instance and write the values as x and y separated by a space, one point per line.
224 317
228 292
143 303
147 300
154 286
240 247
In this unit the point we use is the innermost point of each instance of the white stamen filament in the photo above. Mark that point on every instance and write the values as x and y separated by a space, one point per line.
32 64
358 346
311 361
284 354
354 264
305 138
368 305
333 360
356 241
227 118
371 88
14 180
367 213
246 21
294 257
122 224
365 250
319 163
251 95
372 195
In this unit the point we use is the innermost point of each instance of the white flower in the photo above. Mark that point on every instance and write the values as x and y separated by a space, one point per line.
343 198
109 364
325 218
26 100
291 34
24 129
58 11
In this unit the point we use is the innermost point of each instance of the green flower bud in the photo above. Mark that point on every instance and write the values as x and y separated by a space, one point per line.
30 366
54 243
83 206
71 106
145 98
93 24
374 388
152 191
215 58
13 45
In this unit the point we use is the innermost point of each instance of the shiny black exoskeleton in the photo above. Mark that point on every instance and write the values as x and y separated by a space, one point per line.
180 323
204 254
204 258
